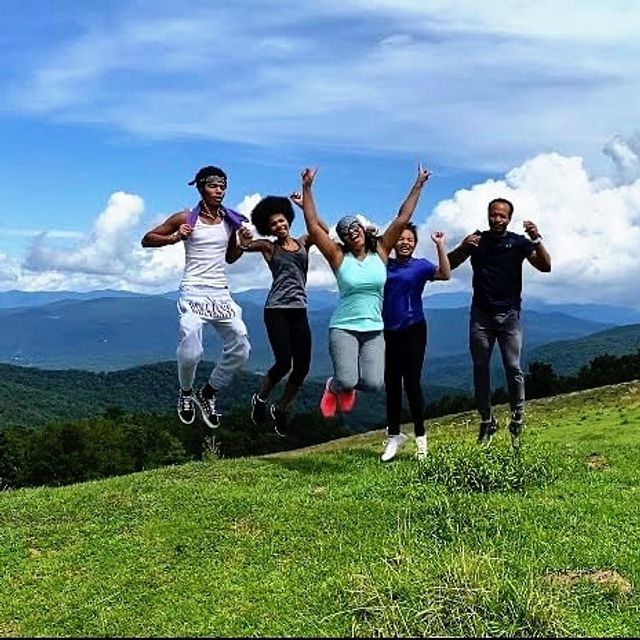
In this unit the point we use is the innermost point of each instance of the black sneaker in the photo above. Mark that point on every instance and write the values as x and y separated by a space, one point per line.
207 409
279 419
487 430
186 410
258 410
516 425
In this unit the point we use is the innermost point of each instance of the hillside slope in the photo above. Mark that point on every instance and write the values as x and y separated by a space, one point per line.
330 542
567 356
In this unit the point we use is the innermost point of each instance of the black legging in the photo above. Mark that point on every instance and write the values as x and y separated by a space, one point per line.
290 338
404 357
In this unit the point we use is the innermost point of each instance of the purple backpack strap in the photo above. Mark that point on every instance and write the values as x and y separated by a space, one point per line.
192 217
233 218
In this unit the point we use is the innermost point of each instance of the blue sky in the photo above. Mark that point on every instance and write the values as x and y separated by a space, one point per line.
110 107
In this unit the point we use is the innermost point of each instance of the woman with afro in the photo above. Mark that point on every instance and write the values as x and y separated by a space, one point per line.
285 309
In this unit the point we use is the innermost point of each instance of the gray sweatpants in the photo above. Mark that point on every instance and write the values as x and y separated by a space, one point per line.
225 316
484 329
358 359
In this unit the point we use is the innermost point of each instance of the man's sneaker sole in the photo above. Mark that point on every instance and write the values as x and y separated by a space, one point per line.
487 431
184 398
212 422
280 432
186 421
261 412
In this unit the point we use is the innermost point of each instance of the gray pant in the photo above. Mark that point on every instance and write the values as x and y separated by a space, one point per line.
358 359
193 308
484 329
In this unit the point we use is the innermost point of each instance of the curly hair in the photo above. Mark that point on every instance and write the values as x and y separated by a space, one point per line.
267 207
410 226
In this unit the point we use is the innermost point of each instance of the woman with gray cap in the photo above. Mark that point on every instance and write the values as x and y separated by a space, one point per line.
356 342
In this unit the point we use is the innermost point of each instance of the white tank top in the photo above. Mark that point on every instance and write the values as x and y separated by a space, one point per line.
205 250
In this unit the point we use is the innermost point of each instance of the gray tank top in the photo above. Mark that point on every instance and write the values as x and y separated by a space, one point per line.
289 270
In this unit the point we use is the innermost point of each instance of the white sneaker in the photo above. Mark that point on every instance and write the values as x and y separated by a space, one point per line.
392 445
421 447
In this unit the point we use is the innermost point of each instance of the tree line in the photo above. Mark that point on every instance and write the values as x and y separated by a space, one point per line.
117 442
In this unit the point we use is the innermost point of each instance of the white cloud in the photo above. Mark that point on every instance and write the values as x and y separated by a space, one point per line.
591 228
104 252
475 84
31 233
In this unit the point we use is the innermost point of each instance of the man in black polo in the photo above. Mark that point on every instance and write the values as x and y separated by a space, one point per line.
496 259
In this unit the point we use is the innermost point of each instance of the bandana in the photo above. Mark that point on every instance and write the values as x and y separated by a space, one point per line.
211 181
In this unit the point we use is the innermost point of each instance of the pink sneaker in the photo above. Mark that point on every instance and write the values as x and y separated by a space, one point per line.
347 400
329 401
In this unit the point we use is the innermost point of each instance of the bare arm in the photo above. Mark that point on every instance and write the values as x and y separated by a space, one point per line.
247 243
539 257
318 234
391 235
458 255
443 272
173 230
305 240
234 250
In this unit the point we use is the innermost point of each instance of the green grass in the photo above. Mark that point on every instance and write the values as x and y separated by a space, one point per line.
329 542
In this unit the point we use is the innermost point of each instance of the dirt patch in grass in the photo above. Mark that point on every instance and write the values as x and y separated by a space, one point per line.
607 578
597 462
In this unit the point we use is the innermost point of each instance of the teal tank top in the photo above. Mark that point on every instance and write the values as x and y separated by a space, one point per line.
361 285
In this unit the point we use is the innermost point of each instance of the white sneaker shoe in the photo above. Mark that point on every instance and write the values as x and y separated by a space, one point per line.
392 445
421 447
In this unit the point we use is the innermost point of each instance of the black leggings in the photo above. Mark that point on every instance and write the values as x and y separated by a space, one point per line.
404 357
290 338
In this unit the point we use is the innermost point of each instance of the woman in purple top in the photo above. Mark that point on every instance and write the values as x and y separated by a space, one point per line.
405 334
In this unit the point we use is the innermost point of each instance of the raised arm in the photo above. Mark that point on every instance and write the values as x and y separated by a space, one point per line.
539 257
458 255
318 233
443 272
296 198
391 235
173 230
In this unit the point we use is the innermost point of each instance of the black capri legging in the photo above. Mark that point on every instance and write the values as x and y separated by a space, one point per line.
404 357
290 338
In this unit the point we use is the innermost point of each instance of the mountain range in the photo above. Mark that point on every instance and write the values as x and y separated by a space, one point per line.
111 330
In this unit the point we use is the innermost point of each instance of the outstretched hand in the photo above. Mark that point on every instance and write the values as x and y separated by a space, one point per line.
472 240
438 237
296 198
531 230
423 174
308 175
244 237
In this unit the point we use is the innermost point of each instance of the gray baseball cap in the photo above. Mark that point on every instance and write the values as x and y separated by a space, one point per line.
343 225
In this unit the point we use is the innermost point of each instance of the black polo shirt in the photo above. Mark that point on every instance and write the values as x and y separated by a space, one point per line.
497 270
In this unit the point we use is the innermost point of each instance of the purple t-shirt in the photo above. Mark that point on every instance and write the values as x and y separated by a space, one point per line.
402 304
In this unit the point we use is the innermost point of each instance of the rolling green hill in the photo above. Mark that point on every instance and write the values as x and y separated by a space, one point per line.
567 356
329 542
32 397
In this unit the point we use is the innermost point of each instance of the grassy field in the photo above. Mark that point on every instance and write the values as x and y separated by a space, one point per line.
330 542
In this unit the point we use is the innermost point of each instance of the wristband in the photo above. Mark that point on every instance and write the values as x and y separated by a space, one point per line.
537 241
